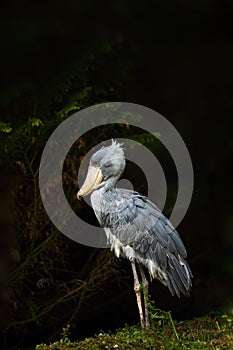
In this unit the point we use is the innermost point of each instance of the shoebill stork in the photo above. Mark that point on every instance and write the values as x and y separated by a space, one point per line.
135 228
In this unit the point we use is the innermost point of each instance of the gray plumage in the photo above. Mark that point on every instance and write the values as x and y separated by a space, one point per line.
135 227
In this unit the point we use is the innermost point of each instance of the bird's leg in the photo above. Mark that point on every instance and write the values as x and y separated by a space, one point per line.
145 294
138 293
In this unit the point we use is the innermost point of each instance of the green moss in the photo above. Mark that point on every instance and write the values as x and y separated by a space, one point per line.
209 332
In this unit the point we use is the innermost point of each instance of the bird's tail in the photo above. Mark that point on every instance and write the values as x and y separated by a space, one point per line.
178 275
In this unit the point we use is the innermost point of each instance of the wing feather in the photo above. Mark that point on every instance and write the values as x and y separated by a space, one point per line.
137 223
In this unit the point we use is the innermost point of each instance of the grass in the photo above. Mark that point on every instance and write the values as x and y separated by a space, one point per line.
209 332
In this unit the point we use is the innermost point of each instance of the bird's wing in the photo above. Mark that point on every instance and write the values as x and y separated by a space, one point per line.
138 223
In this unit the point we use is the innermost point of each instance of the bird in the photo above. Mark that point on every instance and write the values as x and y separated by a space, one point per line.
135 228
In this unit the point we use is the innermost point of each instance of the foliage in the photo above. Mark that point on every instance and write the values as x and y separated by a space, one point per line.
5 127
46 286
208 332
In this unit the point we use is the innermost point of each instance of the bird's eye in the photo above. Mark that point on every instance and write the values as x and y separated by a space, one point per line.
107 164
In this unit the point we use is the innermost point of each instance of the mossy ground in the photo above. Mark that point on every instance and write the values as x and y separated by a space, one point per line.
209 332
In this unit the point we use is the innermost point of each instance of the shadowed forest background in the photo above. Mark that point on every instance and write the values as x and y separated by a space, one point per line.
175 57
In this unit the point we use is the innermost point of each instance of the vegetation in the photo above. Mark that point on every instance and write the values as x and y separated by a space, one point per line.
59 61
209 332
45 270
50 278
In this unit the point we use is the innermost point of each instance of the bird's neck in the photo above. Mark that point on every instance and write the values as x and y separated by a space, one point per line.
102 196
110 184
106 192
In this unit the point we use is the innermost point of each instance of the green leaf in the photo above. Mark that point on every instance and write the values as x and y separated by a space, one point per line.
36 122
5 127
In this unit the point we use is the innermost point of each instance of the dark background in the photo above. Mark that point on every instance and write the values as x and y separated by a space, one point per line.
172 56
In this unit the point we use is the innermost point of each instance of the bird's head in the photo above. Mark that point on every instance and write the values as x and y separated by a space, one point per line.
106 166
